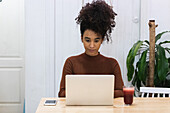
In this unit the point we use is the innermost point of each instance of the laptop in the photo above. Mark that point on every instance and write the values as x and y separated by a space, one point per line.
89 89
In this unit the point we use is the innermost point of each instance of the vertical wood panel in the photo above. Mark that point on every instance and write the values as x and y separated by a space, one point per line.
50 48
155 9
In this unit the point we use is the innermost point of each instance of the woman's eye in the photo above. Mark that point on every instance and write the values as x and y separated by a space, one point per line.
87 40
96 41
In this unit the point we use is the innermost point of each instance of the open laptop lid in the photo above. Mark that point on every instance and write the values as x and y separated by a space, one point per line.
89 89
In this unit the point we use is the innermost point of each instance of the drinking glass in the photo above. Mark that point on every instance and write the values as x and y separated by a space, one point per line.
128 94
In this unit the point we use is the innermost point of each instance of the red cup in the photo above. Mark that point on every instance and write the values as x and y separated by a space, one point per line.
128 94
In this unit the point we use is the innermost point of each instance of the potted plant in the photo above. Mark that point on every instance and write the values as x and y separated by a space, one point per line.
139 74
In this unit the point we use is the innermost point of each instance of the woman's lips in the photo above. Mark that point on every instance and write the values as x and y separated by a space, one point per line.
92 50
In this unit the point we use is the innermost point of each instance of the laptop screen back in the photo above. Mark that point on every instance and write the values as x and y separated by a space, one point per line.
89 89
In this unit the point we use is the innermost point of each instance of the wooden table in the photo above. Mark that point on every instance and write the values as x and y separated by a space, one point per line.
140 105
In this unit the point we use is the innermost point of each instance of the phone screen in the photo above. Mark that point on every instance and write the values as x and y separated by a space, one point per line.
50 102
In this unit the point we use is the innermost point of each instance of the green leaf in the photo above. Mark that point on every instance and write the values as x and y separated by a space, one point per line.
135 78
167 83
164 42
147 42
168 50
138 84
130 59
146 72
169 63
142 67
156 78
162 63
159 36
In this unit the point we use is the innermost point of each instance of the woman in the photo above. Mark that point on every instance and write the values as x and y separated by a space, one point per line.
96 22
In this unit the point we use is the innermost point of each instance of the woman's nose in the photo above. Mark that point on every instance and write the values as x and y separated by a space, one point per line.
91 44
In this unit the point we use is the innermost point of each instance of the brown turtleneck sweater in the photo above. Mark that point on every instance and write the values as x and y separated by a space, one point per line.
84 64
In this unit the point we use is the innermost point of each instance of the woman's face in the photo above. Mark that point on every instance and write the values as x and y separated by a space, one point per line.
91 42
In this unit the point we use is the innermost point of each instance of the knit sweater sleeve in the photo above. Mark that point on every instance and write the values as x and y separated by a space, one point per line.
118 91
67 69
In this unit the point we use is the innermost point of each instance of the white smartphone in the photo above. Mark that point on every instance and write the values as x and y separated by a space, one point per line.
50 103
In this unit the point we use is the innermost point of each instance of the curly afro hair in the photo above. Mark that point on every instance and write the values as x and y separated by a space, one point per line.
98 17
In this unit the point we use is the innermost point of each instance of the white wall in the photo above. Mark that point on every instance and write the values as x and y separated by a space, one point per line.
39 64
35 53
